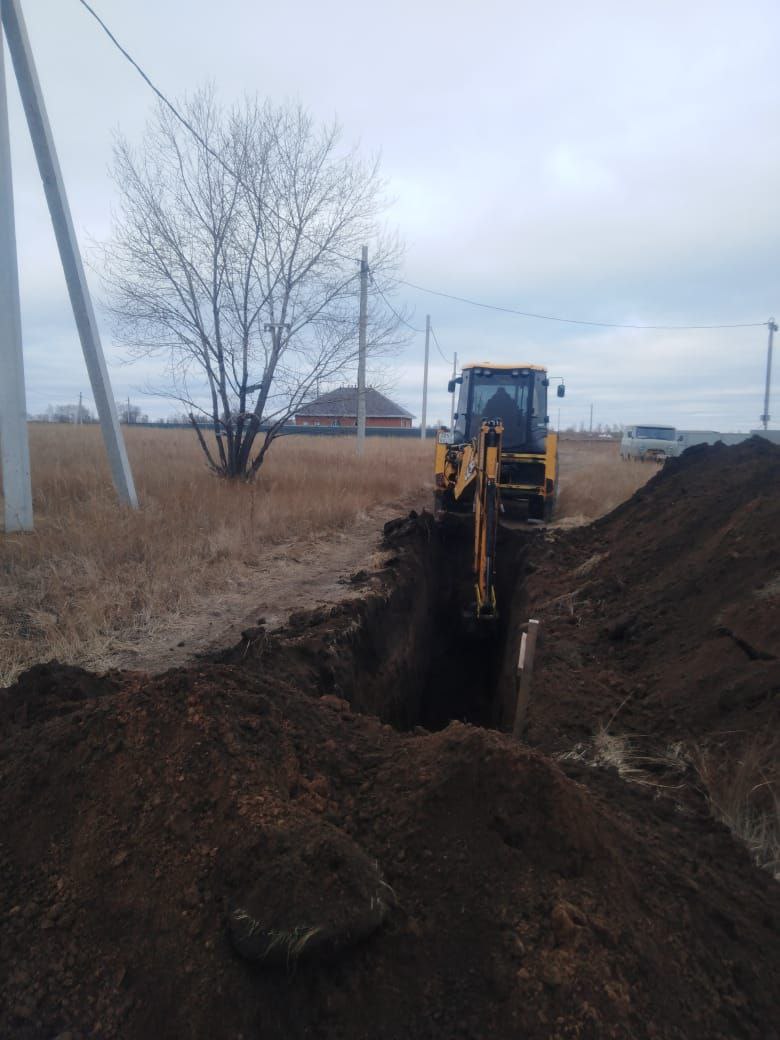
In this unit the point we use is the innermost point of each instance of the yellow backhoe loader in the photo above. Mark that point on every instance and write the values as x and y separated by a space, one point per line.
499 451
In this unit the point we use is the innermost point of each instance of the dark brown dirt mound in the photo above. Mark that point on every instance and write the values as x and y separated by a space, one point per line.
521 904
668 609
232 850
51 689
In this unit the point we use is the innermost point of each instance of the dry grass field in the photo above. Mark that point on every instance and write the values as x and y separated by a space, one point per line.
594 479
93 576
93 573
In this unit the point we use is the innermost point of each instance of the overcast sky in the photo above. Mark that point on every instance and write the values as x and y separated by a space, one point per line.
611 162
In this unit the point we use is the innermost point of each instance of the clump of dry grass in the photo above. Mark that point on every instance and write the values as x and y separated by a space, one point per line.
633 762
594 479
742 788
93 573
744 793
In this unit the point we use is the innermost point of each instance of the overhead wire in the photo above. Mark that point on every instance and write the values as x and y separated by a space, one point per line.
389 305
446 360
400 317
201 141
343 256
573 321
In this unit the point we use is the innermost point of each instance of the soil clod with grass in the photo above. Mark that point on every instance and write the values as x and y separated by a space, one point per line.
323 832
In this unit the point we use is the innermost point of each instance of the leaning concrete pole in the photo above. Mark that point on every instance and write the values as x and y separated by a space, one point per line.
49 167
14 447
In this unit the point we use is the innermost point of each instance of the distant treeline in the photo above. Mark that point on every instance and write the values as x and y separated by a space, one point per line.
305 431
313 431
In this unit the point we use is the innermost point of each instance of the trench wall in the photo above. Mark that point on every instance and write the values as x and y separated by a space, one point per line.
417 656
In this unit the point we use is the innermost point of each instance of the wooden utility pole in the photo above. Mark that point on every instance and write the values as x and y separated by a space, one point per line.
772 325
425 377
362 327
14 444
54 189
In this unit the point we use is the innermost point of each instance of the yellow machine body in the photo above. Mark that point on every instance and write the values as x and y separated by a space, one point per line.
529 454
498 451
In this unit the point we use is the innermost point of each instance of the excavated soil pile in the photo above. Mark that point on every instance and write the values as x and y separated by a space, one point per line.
664 616
233 850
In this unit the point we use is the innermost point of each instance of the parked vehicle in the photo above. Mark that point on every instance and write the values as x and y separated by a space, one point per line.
650 443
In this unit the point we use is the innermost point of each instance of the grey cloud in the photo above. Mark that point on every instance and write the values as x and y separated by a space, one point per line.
609 162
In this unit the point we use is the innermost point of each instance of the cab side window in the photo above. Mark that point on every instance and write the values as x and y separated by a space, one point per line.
463 407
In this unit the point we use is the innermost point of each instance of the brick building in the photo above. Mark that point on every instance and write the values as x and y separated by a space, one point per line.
339 408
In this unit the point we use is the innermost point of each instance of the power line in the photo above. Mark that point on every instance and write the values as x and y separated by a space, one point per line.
572 321
343 256
446 360
204 144
400 317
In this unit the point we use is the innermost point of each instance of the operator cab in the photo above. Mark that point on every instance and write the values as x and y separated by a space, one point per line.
516 394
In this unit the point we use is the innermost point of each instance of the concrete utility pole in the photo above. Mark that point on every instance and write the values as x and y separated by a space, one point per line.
54 188
78 413
362 327
590 428
771 324
452 402
14 445
425 376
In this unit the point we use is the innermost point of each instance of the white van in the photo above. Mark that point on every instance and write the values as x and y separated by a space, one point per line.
650 443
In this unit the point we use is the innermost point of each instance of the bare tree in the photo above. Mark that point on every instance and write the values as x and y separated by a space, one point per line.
67 413
235 257
130 413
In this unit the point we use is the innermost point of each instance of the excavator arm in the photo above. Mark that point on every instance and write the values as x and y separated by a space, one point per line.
487 505
479 462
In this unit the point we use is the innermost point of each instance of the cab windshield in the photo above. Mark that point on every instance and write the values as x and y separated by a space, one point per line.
500 395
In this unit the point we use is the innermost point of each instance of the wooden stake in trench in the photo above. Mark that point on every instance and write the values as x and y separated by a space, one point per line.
525 671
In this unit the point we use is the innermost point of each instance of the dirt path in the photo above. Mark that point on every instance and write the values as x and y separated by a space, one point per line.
300 575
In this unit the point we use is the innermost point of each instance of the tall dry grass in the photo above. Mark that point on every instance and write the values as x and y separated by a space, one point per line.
594 479
93 577
744 793
93 574
741 783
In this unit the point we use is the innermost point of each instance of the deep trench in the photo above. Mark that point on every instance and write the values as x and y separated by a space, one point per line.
419 656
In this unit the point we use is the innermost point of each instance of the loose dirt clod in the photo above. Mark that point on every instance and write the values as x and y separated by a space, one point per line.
307 891
460 884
